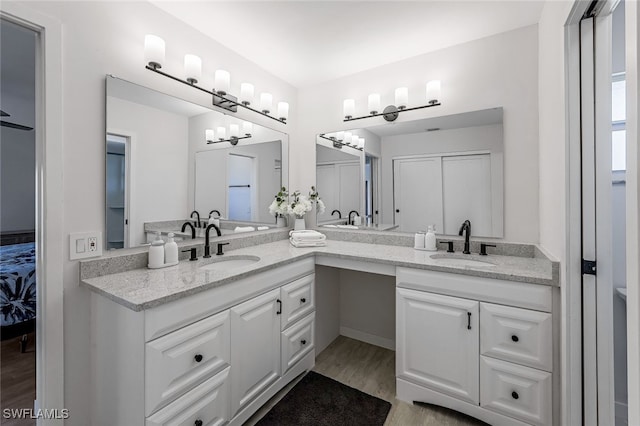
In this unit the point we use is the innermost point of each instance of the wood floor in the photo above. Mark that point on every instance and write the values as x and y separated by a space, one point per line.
17 378
371 369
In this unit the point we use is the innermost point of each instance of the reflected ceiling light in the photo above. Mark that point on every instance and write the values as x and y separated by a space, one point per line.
234 134
247 128
154 56
391 112
354 141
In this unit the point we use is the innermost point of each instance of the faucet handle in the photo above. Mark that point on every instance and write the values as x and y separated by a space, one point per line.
450 248
483 248
220 252
193 254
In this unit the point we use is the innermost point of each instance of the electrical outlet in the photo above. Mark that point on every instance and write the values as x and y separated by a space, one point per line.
85 244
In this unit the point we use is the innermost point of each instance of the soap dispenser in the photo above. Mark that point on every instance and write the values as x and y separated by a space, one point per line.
430 239
156 253
171 251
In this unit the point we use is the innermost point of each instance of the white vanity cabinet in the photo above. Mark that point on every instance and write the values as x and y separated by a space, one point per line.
480 346
211 358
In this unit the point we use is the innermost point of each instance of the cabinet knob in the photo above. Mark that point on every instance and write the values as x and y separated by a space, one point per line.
515 338
397 210
303 300
515 395
198 422
304 342
198 358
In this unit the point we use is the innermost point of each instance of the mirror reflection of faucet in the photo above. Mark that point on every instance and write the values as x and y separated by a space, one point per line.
357 220
197 222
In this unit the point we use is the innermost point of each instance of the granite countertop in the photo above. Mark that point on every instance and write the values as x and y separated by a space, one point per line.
141 289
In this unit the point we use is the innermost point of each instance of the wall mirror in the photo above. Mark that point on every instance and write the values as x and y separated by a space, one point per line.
160 168
436 171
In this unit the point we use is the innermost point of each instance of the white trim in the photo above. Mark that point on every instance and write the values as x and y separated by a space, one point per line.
49 205
632 40
372 339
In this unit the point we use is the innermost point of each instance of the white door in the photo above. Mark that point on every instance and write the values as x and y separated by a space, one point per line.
327 188
417 194
255 347
438 343
350 188
466 189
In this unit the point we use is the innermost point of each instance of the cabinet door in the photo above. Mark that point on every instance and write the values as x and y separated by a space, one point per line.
298 300
438 343
255 347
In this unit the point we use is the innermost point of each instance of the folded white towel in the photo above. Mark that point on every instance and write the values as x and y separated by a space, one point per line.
347 226
244 229
307 243
329 226
307 235
262 228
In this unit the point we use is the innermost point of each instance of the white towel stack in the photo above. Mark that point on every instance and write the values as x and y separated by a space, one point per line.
244 229
307 238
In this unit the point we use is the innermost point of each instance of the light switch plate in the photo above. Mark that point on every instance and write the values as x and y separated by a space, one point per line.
85 244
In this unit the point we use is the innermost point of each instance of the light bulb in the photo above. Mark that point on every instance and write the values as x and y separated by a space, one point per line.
222 133
222 82
374 103
266 101
247 127
402 97
209 136
234 130
153 51
347 137
192 68
340 136
349 107
283 111
246 93
433 91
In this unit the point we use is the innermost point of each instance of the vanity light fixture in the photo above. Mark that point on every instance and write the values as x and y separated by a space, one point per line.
154 56
391 112
234 137
355 142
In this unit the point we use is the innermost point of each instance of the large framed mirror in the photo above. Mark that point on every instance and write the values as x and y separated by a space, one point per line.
160 167
436 171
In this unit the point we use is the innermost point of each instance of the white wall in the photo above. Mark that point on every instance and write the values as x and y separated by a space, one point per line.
500 70
17 179
108 37
159 153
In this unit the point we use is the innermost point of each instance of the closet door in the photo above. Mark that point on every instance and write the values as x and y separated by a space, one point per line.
417 194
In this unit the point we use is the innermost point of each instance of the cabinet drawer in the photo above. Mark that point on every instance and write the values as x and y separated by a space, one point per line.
298 299
517 335
516 391
178 361
209 403
297 341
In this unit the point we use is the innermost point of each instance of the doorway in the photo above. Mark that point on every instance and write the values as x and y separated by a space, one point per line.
118 179
242 187
18 284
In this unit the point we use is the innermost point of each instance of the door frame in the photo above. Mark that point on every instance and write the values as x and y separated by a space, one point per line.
130 179
50 244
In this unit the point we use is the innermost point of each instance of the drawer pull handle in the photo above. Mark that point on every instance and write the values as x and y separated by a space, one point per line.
304 342
198 358
303 300
515 338
279 307
198 422
468 320
515 395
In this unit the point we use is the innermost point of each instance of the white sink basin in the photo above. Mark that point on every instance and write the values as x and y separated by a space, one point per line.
459 261
224 263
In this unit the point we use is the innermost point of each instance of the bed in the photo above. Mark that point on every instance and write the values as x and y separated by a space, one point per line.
17 289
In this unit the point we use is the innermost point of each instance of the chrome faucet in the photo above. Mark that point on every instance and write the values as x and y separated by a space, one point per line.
351 220
207 247
196 224
466 228
337 211
193 229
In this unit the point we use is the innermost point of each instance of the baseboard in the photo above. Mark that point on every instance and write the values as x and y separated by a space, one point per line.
383 342
622 410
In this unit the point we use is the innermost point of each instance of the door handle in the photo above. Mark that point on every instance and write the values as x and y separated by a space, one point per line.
468 320
279 307
397 210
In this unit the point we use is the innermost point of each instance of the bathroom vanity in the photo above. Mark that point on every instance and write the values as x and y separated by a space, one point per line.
211 341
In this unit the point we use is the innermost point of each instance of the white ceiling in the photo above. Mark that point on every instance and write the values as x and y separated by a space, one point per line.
308 42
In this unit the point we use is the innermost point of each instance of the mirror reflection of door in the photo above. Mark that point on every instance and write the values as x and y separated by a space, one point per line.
371 197
116 177
242 187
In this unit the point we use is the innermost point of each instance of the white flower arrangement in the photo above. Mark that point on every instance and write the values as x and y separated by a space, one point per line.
280 205
300 206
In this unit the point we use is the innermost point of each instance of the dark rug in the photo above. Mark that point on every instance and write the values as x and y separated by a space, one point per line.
318 400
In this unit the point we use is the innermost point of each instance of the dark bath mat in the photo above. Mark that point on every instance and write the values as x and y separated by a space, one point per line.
318 400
